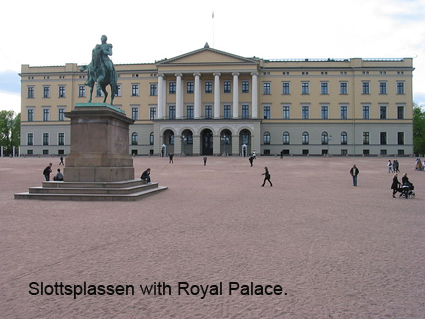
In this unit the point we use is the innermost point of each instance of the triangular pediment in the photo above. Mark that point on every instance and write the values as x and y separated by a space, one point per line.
206 56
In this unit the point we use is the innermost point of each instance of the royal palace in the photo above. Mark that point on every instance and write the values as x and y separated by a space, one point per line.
210 102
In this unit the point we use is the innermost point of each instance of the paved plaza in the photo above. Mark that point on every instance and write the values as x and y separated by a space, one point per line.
336 250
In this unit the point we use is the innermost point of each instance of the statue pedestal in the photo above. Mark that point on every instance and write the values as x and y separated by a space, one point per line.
99 144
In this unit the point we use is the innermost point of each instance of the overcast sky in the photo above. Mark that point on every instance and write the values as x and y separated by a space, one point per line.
58 32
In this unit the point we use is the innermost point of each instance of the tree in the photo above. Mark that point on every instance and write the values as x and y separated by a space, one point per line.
418 130
10 128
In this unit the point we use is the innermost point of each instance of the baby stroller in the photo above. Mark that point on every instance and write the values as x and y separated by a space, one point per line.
407 191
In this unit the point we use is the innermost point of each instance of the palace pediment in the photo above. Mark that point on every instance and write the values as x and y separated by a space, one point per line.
207 56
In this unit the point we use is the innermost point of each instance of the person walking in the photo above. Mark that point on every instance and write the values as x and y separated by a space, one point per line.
266 177
171 156
205 160
354 171
61 160
47 172
253 155
395 186
146 175
251 160
390 166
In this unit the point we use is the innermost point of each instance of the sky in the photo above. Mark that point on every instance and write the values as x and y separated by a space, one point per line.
50 33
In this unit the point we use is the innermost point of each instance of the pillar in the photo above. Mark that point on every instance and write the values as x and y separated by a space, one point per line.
217 95
235 95
179 96
161 97
254 111
197 97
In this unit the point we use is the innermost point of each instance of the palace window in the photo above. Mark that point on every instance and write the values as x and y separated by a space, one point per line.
382 87
400 112
61 139
286 138
30 139
61 114
245 86
208 87
325 138
286 112
344 112
46 115
30 113
134 113
151 139
135 90
30 92
208 112
189 112
400 138
365 88
305 138
266 138
45 138
383 138
190 87
365 138
81 91
343 88
153 90
305 112
172 112
245 111
324 88
266 88
61 91
266 112
305 88
383 112
286 88
400 87
365 112
325 113
227 114
172 87
152 113
227 87
46 91
344 138
134 138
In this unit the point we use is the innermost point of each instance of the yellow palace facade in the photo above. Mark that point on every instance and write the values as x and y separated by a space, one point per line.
210 102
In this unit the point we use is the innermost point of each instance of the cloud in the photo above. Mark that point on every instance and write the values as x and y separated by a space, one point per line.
10 82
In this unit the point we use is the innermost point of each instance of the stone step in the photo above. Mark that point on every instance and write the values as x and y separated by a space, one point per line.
91 197
119 184
84 190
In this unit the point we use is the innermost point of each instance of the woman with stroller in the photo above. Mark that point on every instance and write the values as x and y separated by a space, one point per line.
407 187
395 186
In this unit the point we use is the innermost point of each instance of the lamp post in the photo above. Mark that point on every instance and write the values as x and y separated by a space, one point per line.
225 140
182 139
329 142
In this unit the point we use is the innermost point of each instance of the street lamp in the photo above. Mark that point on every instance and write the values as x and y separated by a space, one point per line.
182 139
225 140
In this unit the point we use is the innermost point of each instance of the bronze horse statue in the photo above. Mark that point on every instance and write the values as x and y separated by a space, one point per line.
101 70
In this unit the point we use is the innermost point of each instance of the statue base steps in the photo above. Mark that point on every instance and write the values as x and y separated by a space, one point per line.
130 190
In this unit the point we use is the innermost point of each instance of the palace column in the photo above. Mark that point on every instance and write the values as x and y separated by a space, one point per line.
197 97
235 95
254 111
179 96
216 95
161 97
235 145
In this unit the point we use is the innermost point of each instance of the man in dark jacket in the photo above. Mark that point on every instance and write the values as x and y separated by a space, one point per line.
47 172
354 171
146 175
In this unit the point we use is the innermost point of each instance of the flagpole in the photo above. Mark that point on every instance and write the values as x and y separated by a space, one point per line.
213 28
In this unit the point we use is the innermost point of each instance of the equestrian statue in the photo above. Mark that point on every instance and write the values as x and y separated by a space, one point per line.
101 70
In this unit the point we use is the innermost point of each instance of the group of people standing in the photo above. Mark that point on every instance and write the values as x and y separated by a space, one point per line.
48 170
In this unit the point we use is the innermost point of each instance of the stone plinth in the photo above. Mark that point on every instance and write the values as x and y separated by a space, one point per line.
99 144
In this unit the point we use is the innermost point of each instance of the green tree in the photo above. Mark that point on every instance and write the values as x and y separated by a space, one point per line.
10 128
418 130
